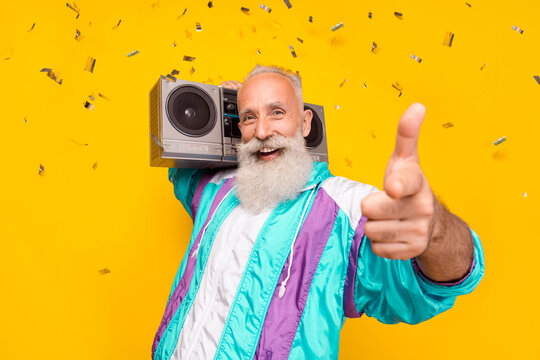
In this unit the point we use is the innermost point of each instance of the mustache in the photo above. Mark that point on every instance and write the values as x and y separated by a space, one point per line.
274 141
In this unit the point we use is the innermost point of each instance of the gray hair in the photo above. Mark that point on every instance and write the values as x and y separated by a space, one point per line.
295 79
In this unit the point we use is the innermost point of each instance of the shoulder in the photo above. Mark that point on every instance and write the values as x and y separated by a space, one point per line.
348 195
218 177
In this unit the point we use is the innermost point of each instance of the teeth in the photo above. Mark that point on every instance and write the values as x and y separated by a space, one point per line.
267 149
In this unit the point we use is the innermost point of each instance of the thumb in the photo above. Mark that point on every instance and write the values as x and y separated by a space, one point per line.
409 131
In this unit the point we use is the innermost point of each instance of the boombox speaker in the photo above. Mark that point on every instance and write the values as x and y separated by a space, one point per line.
195 125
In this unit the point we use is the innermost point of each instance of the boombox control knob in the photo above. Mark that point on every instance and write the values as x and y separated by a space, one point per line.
231 108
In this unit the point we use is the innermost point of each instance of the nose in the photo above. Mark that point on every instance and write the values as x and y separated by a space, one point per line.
263 128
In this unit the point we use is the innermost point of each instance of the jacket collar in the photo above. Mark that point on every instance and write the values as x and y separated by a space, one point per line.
319 173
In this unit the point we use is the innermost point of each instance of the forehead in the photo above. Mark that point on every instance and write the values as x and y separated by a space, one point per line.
266 88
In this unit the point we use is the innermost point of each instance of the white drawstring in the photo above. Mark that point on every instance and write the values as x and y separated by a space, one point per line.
284 282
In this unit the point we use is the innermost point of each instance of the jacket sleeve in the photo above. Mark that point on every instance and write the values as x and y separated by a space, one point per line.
395 291
185 183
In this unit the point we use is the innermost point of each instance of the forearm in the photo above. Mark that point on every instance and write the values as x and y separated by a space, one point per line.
450 250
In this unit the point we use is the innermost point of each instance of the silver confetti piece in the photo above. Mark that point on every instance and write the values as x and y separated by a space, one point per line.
337 107
175 72
374 48
517 29
398 88
117 25
210 5
266 8
89 105
469 5
288 3
537 78
133 53
90 64
483 66
92 97
302 41
343 83
311 19
448 39
41 170
32 28
416 58
74 8
370 15
292 51
499 141
337 26
189 58
77 35
398 15
192 70
259 51
198 27
244 10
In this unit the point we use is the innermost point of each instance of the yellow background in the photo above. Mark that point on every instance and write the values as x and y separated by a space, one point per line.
58 230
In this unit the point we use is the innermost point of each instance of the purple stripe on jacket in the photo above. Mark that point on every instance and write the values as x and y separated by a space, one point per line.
284 314
205 179
183 285
348 292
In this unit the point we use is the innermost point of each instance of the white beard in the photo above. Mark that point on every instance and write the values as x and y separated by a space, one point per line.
264 184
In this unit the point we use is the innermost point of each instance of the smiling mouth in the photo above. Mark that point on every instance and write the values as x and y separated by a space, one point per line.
268 153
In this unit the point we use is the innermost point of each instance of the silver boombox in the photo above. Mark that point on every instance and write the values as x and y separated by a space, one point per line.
195 125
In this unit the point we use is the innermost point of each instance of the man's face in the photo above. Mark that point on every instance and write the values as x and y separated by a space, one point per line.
268 106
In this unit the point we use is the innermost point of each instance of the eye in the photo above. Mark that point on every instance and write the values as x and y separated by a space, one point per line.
248 119
278 112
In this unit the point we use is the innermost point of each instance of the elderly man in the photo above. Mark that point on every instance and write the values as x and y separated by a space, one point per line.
282 251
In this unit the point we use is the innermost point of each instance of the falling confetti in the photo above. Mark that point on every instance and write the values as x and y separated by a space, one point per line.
447 125
89 105
51 74
337 26
133 53
348 162
198 27
398 15
259 51
370 15
117 25
524 194
174 44
266 8
499 141
90 64
170 78
78 36
448 39
244 10
192 70
92 97
337 107
78 143
179 16
74 8
374 48
25 121
469 5
398 87
292 51
175 72
104 271
94 166
517 29
188 34
311 19
302 41
288 3
103 96
32 28
483 66
364 85
189 58
416 58
210 5
343 83
41 170
537 78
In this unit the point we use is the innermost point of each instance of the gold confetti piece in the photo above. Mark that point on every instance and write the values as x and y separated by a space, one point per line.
370 15
189 58
374 48
276 24
398 87
78 143
32 28
244 10
398 15
292 51
188 34
343 83
74 8
78 36
94 166
469 5
41 170
179 16
416 58
210 5
133 53
288 3
348 162
448 39
266 8
170 77
45 70
537 78
51 74
104 271
175 72
499 141
192 70
447 125
517 29
198 27
483 66
90 64
117 25
311 19
337 26
302 41
103 96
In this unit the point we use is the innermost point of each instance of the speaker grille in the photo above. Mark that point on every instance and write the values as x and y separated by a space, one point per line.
154 123
315 136
191 111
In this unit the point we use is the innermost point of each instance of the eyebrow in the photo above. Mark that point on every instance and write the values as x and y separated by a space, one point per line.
271 105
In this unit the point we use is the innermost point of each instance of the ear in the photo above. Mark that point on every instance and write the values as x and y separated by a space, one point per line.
308 115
